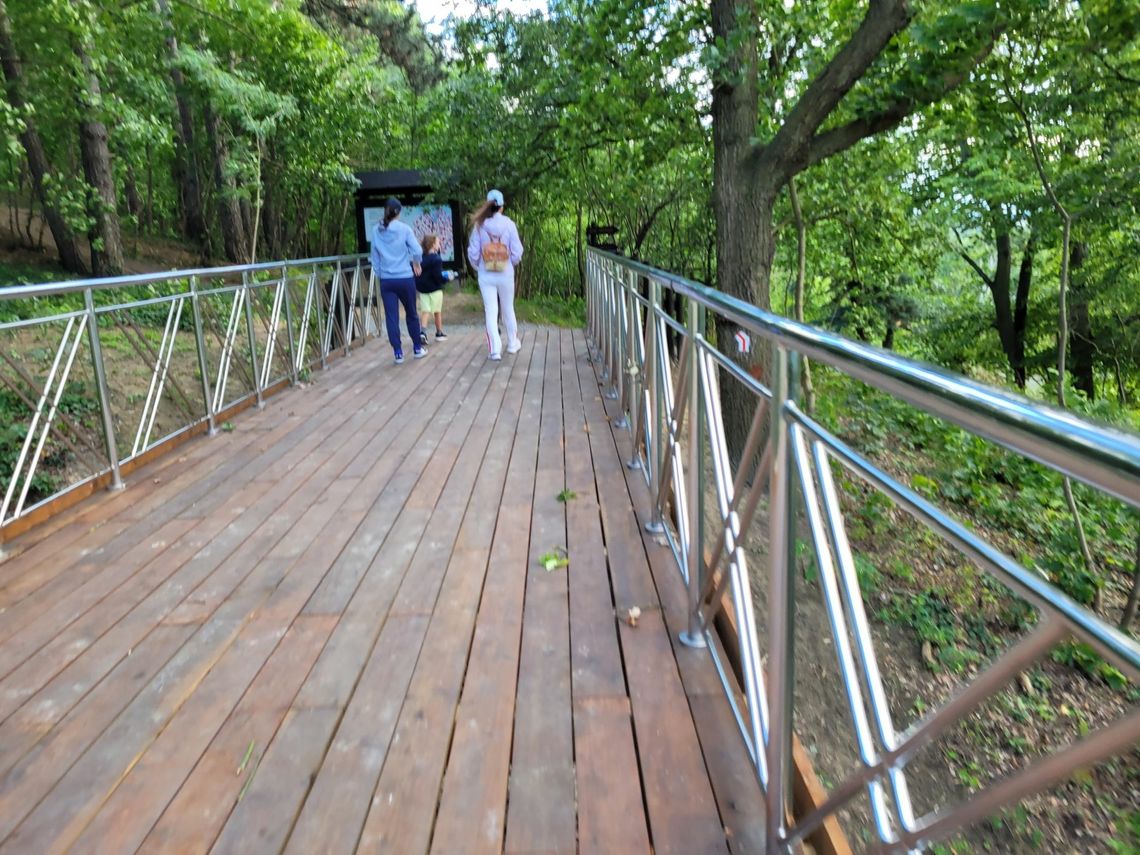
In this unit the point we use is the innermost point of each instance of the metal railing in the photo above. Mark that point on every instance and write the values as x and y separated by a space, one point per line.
194 344
673 409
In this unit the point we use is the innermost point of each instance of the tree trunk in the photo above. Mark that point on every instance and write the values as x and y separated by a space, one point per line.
66 242
745 233
1021 312
134 201
1082 346
185 165
229 214
104 235
801 285
1134 595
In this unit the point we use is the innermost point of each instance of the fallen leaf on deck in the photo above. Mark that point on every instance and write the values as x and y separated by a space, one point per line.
554 559
632 615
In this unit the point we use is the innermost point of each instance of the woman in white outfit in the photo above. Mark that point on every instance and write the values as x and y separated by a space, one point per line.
494 251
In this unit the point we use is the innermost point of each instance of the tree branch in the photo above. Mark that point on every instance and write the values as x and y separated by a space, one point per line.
970 261
785 155
840 139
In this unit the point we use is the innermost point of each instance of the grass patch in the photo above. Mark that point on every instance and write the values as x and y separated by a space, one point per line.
552 311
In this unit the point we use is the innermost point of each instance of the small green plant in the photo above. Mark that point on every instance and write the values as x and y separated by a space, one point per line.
566 495
227 427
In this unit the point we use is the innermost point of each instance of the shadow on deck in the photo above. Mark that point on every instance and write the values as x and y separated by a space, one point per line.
329 629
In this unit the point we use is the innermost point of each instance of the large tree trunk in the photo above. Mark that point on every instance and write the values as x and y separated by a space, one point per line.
185 165
1021 312
1082 346
745 233
234 239
66 242
104 234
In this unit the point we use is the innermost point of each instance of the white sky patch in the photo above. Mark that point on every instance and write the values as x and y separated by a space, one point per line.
435 12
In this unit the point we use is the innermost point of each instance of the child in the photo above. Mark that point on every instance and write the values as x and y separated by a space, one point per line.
429 284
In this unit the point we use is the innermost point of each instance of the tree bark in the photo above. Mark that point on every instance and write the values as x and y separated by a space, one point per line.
1021 312
1082 346
102 207
801 285
229 213
1134 595
185 164
66 242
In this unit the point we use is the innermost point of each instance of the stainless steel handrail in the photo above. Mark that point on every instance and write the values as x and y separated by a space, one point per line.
78 286
292 340
667 405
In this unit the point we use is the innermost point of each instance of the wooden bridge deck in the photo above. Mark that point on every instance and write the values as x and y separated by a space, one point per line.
328 630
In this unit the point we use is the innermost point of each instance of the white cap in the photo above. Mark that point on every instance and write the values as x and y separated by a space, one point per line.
495 196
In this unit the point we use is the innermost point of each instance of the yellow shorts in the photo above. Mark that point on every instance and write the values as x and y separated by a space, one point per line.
432 302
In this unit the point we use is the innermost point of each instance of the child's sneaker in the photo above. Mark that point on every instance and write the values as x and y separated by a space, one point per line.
399 357
495 357
423 337
420 352
440 335
514 347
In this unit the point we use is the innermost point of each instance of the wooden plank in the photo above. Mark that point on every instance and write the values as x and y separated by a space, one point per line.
472 809
735 785
38 769
337 673
335 809
683 812
258 823
69 802
595 655
541 809
611 808
611 815
406 796
196 813
141 796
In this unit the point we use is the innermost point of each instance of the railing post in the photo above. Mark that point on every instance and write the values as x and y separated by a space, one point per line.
617 334
252 338
694 636
203 357
293 378
781 599
635 380
656 454
628 355
323 337
104 392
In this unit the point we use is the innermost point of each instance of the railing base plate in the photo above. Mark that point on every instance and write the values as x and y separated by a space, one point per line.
697 642
655 527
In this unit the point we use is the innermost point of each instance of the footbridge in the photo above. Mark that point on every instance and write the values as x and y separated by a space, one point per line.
263 590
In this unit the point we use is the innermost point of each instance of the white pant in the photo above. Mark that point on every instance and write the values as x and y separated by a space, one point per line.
497 290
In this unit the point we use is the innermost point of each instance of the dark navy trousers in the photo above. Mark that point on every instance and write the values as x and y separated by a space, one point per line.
394 292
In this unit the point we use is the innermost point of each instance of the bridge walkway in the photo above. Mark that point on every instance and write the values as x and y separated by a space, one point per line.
328 628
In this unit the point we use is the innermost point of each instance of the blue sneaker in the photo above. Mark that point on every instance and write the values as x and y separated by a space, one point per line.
399 357
420 352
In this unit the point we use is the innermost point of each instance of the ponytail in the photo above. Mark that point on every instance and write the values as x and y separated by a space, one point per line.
391 210
484 212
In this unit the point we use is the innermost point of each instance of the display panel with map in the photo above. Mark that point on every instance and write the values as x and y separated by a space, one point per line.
424 220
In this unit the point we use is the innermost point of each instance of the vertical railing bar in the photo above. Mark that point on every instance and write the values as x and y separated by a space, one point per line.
252 338
840 631
291 335
104 391
781 605
694 635
203 357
